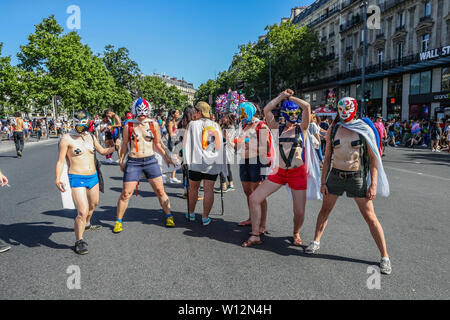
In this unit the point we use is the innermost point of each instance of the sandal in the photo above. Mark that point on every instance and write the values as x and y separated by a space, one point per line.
245 223
250 243
297 241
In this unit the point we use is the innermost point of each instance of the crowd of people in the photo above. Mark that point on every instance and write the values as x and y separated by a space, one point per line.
283 144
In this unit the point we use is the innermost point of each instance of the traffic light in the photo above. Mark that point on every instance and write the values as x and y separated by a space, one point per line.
367 95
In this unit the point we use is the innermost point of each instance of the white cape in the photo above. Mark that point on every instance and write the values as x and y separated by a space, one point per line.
210 160
363 129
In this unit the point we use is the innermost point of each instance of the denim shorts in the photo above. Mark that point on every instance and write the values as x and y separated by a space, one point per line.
80 181
251 172
136 166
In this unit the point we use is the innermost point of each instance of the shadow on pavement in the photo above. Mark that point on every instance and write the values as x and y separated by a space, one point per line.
32 234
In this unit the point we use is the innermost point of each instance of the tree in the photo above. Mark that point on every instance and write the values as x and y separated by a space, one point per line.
54 63
161 96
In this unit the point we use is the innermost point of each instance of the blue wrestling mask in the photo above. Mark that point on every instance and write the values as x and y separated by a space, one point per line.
291 112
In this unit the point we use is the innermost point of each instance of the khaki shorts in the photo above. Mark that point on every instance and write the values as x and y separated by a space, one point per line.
353 183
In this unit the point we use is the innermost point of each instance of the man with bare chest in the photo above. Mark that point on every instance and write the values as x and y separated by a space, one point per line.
353 156
79 147
140 139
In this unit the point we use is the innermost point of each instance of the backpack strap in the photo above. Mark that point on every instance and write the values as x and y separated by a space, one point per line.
295 143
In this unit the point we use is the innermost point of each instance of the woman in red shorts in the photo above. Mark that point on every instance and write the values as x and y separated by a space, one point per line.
291 169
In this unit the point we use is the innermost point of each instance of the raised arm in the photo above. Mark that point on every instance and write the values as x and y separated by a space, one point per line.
306 114
270 118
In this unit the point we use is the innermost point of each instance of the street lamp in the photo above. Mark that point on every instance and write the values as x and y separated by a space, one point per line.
363 60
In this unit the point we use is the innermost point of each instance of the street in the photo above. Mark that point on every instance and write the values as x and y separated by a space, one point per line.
148 261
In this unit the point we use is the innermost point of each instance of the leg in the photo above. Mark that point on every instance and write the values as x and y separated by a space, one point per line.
93 196
262 223
299 197
208 200
247 186
255 201
322 219
122 203
158 188
193 195
366 208
80 199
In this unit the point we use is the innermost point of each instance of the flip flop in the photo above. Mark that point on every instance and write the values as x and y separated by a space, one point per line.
297 241
249 243
245 223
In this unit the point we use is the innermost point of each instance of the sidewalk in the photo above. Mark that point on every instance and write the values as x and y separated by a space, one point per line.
6 146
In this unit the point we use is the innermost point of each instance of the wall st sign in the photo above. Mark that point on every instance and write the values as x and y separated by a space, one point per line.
435 53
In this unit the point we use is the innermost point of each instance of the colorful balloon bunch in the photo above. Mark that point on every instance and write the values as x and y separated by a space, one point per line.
229 102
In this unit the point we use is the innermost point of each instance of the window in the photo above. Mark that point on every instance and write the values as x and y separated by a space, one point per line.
421 83
395 87
445 84
314 96
349 42
425 41
425 82
349 66
376 89
415 83
399 51
401 19
380 57
427 9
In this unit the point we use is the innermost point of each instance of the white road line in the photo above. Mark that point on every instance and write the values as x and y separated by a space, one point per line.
418 173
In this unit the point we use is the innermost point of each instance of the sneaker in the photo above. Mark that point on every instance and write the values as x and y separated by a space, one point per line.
206 221
81 247
313 247
217 190
424 145
4 247
231 188
385 266
117 227
93 227
169 221
109 160
19 154
190 217
174 180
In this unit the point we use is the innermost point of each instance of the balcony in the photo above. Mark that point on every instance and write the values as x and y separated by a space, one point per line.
379 36
324 17
426 19
400 29
346 3
331 35
355 20
388 4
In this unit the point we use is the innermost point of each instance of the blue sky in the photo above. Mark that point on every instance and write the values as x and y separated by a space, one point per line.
192 39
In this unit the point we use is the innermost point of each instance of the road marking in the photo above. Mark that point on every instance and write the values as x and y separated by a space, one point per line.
418 173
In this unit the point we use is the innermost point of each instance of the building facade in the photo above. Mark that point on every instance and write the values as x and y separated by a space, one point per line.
185 87
407 55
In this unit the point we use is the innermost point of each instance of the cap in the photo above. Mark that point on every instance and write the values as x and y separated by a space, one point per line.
204 108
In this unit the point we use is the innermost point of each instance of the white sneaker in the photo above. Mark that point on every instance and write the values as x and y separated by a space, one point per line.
174 180
109 160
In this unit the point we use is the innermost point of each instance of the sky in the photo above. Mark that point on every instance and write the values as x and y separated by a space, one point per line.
190 39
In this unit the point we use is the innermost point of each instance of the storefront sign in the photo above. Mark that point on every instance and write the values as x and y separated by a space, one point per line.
435 53
430 97
441 96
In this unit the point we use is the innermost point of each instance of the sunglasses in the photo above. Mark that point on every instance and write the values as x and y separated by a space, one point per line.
292 112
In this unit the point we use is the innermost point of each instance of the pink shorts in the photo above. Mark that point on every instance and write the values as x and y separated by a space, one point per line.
296 178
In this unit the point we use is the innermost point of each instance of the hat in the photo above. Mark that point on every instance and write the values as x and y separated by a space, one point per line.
204 108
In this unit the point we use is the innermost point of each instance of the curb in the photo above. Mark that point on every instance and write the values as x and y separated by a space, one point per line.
28 145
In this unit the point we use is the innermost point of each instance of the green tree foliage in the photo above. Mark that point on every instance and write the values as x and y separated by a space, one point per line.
161 96
59 64
294 53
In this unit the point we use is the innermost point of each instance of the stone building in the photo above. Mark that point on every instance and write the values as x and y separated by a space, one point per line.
185 87
407 55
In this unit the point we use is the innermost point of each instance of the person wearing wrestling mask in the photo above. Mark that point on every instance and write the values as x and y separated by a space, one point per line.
140 139
357 170
79 147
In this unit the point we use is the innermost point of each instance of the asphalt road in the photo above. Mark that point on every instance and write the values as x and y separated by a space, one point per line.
148 261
